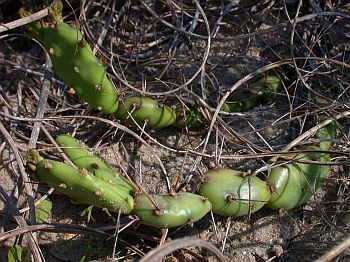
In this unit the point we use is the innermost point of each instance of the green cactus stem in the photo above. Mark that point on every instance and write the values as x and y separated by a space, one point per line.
232 194
242 101
167 211
287 184
73 61
119 182
81 185
78 153
261 92
295 183
187 117
315 174
271 82
326 134
147 111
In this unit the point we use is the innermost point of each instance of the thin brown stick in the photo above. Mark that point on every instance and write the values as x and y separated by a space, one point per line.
337 250
57 228
188 151
42 103
24 20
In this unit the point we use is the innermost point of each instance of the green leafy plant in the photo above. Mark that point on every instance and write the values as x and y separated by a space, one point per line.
18 254
43 210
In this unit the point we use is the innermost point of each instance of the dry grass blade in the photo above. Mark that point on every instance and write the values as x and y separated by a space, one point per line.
162 251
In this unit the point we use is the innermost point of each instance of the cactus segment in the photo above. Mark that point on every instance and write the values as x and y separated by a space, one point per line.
234 195
315 174
294 184
171 211
271 82
287 184
326 133
78 153
187 117
119 182
241 101
83 187
261 92
73 60
83 158
144 109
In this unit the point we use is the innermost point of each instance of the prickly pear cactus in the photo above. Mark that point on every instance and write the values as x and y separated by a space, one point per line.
315 174
227 192
187 117
287 183
293 184
326 134
261 92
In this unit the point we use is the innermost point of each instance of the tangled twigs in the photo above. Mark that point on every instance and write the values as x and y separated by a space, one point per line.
30 195
162 251
42 103
18 157
22 223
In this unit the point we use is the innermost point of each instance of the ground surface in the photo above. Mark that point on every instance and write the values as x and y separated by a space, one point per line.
151 56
